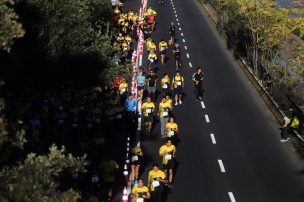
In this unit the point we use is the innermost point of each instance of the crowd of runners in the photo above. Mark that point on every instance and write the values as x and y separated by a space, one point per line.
160 178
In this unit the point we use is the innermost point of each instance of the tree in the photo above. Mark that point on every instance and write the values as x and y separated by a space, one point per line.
66 28
10 28
36 179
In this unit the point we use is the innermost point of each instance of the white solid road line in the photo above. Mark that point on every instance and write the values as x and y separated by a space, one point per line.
232 199
190 65
221 166
202 103
213 138
185 46
187 55
182 34
207 118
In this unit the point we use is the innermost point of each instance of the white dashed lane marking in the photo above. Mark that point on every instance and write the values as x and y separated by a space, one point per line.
190 65
220 162
207 118
184 42
182 34
202 103
187 55
231 196
213 138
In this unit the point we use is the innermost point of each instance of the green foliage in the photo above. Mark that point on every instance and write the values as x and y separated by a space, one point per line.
100 10
36 178
267 31
67 26
10 28
109 74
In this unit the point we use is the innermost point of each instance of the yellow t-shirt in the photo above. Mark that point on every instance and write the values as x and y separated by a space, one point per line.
116 11
165 83
171 126
164 108
167 152
124 46
163 45
128 38
152 56
148 108
152 46
123 87
139 190
169 102
178 81
119 39
136 150
152 175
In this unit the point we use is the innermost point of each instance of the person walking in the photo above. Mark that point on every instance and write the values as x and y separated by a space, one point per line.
286 129
156 181
164 111
148 108
136 157
167 152
140 84
140 192
197 79
177 86
172 29
151 80
165 84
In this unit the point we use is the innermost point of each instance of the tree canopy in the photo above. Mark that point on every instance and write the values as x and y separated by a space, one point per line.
10 28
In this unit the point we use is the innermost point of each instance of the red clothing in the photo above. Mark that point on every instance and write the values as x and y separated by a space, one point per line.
117 82
151 18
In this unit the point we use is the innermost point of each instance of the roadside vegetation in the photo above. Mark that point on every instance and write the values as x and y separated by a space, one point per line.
268 37
52 52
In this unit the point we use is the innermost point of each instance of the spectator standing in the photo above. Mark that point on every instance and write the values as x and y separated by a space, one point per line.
286 129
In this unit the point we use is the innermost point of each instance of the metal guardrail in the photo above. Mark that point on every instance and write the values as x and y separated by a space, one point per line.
269 100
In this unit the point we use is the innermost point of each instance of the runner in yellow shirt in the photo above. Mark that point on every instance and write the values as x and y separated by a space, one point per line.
140 193
156 181
164 112
152 56
169 101
171 128
167 152
165 84
147 109
162 49
137 154
177 85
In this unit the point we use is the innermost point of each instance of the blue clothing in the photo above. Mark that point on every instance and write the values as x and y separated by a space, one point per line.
141 79
130 104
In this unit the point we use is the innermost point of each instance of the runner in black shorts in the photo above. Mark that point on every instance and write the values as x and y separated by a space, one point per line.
172 29
176 53
135 163
167 152
162 49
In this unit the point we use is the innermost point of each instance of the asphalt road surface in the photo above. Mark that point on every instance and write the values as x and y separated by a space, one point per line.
230 148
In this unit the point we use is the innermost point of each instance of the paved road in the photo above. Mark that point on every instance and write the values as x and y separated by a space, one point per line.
258 167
